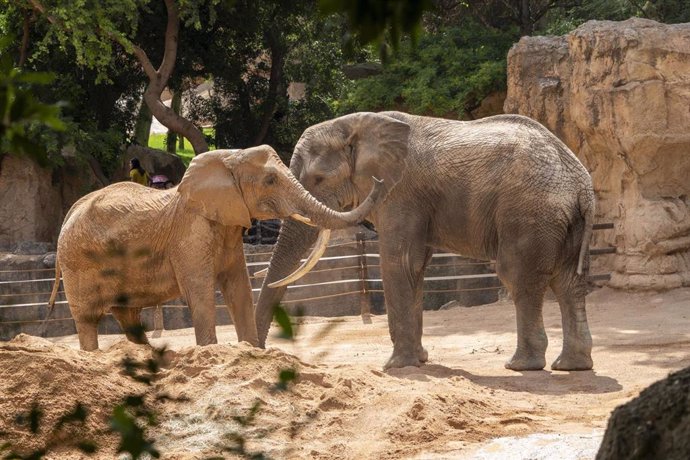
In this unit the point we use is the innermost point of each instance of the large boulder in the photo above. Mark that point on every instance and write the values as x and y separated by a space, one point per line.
154 161
655 425
617 93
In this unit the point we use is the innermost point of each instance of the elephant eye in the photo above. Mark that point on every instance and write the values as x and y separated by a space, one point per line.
318 180
270 179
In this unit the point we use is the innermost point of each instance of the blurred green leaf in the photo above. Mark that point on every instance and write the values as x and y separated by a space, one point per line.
286 377
132 436
280 315
78 414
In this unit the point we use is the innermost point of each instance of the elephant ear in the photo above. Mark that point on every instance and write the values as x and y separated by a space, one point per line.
209 188
379 145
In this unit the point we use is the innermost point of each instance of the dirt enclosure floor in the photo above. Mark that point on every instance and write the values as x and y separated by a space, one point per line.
462 404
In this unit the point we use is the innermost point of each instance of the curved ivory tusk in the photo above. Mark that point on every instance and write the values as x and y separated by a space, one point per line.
261 273
304 220
316 253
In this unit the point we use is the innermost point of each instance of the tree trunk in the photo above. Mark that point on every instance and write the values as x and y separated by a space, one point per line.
277 64
158 80
24 49
526 25
142 129
175 104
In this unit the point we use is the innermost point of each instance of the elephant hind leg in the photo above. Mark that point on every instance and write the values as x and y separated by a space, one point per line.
130 322
87 328
532 341
570 290
526 273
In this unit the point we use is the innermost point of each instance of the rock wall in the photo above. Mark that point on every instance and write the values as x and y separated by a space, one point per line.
35 199
618 94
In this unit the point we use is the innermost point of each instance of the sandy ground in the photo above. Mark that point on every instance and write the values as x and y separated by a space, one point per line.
462 404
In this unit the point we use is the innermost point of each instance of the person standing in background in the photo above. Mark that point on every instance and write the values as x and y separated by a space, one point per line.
137 173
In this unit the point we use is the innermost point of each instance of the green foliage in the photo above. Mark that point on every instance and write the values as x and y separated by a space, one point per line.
20 110
564 18
249 97
447 74
371 20
89 29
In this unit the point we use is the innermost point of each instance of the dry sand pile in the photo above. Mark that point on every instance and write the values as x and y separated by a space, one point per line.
342 405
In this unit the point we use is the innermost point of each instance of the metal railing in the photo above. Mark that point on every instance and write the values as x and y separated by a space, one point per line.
356 269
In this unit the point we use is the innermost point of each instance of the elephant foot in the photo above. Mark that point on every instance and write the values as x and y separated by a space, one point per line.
423 355
402 360
573 362
525 362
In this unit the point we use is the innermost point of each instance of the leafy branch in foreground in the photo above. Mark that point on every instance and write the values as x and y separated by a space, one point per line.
19 109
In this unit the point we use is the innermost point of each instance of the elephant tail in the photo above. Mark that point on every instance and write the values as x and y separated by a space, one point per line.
56 285
586 205
51 302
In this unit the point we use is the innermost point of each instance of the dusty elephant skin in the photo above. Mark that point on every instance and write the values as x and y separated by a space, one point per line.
502 188
126 246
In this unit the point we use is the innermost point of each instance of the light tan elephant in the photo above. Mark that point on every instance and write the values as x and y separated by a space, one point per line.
126 246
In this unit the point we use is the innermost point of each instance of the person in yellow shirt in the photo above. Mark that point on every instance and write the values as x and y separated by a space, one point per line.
137 173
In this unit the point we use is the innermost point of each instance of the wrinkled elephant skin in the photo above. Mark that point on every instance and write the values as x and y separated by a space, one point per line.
126 247
501 188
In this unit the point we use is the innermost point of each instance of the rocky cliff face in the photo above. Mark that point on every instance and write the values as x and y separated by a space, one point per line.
618 94
35 199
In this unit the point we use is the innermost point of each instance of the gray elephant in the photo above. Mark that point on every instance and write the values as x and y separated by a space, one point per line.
127 246
501 188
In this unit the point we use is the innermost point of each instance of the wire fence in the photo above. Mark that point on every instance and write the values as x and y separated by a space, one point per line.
336 276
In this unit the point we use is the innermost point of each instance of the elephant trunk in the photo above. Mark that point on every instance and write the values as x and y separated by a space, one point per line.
293 242
321 215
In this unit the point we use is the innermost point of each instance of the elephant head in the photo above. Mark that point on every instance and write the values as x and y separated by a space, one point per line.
232 186
334 161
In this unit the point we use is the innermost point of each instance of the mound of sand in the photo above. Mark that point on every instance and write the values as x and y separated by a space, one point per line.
318 416
342 405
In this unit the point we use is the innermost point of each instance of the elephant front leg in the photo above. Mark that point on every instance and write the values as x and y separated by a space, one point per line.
237 291
403 276
198 290
87 327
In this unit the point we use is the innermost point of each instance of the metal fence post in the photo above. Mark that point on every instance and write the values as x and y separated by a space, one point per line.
364 300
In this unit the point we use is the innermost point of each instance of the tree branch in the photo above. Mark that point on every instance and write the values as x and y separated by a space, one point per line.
172 32
158 79
277 62
539 14
25 39
145 62
38 6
